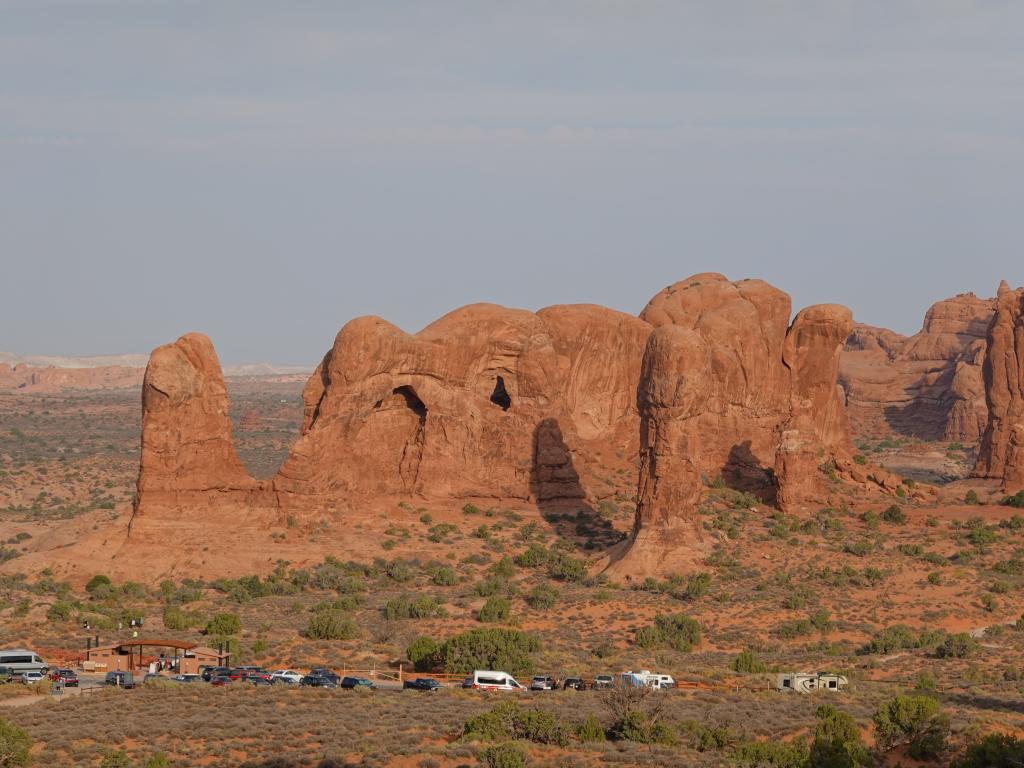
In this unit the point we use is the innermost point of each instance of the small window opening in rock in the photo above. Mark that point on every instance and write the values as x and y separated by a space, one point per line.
412 400
500 395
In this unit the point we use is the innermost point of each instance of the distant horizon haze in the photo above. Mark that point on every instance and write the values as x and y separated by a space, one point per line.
265 172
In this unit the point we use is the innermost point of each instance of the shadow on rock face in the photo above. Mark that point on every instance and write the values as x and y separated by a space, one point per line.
743 471
556 486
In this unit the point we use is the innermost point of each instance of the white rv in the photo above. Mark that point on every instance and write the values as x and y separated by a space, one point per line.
21 660
806 682
646 678
487 680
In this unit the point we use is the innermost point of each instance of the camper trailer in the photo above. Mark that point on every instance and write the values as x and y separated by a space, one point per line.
806 682
646 678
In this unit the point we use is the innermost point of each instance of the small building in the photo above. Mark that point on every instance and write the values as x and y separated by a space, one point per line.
806 682
171 655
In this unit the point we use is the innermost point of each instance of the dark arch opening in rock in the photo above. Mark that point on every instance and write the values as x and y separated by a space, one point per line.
500 396
412 401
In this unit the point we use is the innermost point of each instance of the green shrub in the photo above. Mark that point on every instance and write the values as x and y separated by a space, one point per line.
1016 500
535 556
837 742
748 662
331 624
445 576
489 648
179 619
895 515
566 568
971 497
543 597
15 746
914 720
996 750
224 624
96 582
509 720
680 632
159 760
860 548
958 646
697 585
772 754
982 536
405 607
423 653
510 755
891 639
60 611
590 730
495 609
117 758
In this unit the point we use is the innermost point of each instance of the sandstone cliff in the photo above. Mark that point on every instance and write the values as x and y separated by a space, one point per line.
928 385
28 379
728 386
1001 455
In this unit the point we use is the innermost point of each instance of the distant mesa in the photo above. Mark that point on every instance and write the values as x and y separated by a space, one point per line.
41 374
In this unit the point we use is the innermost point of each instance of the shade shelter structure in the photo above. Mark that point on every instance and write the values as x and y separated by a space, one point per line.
131 655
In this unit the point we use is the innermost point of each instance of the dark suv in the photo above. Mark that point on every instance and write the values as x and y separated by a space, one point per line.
576 683
211 672
356 682
319 681
423 684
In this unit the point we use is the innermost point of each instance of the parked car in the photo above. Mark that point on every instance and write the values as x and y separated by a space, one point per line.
287 676
67 676
356 682
603 681
330 674
120 679
467 683
221 680
187 678
249 675
576 683
32 676
211 672
319 681
423 684
543 683
8 675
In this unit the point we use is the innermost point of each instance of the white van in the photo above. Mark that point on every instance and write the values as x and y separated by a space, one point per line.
20 660
486 680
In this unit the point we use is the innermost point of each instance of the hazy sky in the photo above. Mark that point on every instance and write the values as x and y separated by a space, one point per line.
266 171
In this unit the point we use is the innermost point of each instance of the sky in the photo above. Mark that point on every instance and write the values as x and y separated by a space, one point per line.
263 172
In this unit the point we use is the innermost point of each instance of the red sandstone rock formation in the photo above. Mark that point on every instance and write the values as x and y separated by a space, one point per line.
458 409
27 379
928 385
188 458
1002 447
727 386
485 402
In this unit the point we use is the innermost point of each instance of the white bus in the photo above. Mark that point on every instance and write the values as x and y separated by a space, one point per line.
21 660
